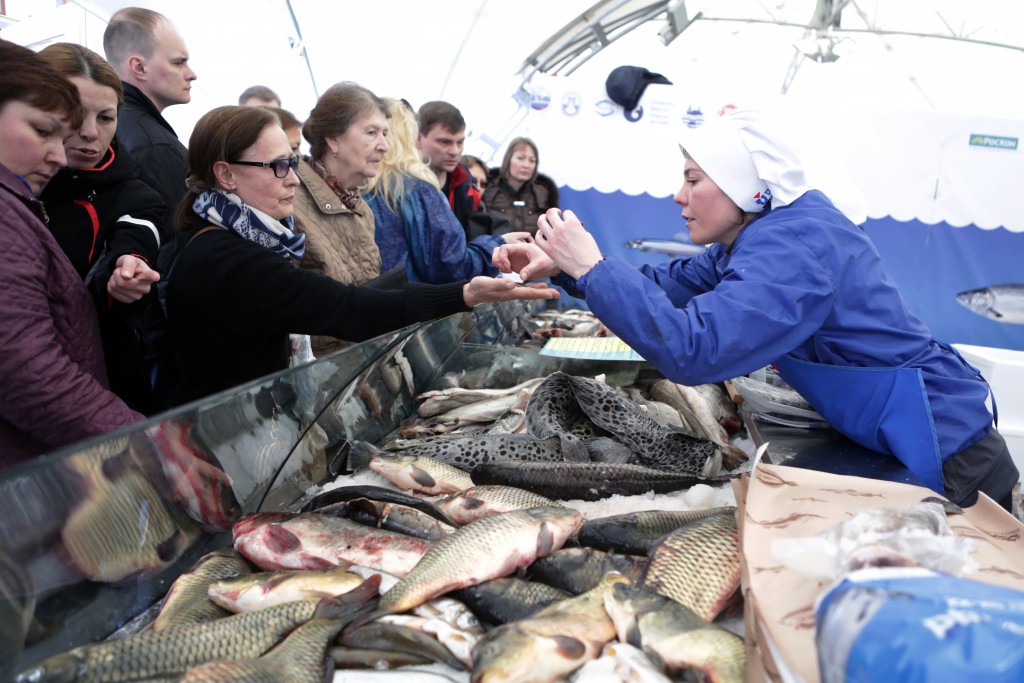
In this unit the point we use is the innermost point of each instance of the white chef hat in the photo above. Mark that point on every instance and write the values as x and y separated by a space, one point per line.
747 159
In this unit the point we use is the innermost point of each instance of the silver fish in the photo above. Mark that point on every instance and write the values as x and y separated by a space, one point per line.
441 401
417 473
1002 303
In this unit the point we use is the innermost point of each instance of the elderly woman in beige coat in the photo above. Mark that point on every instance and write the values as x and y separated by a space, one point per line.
346 132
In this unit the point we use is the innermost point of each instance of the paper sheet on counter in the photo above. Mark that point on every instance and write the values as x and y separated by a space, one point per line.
788 502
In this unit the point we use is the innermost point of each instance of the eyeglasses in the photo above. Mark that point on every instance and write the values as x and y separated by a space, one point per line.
280 166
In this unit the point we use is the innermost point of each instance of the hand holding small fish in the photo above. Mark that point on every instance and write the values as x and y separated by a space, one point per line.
563 238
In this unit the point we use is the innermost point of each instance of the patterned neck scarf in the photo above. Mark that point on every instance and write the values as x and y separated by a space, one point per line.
229 211
349 196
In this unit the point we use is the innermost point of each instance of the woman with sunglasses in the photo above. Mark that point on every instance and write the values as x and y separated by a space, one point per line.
51 369
347 132
107 221
234 294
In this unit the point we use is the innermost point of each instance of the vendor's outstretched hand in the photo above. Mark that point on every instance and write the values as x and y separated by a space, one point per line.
131 279
563 238
482 289
525 259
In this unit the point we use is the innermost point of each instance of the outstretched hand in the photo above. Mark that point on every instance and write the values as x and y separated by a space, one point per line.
131 280
482 289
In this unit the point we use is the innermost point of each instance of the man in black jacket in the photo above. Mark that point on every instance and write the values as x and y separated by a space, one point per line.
150 56
441 139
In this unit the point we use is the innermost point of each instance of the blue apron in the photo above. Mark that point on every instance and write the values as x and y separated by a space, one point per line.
884 409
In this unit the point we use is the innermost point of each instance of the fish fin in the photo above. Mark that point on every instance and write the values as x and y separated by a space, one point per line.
116 466
574 450
733 457
472 503
571 648
423 478
545 540
169 549
363 598
360 453
280 540
606 449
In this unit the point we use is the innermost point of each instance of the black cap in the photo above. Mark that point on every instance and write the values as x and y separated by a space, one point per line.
626 84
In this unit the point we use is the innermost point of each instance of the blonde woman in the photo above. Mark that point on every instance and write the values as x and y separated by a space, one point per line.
415 227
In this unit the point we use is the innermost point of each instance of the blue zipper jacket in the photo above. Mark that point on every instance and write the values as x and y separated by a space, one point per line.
800 279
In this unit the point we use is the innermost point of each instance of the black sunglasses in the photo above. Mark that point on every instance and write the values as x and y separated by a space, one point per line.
280 166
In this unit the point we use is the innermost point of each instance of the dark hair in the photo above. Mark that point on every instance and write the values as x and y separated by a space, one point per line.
507 161
286 118
260 92
335 111
130 31
438 112
27 77
72 60
221 134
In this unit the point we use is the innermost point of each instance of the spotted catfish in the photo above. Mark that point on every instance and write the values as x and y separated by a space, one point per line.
552 412
656 446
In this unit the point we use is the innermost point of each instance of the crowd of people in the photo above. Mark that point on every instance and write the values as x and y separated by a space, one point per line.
145 273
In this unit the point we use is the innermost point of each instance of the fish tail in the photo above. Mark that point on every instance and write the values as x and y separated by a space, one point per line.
360 453
352 604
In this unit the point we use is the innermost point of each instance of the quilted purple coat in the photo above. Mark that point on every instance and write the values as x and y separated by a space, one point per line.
53 386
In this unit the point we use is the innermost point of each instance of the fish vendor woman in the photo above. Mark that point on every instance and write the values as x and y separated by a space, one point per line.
788 280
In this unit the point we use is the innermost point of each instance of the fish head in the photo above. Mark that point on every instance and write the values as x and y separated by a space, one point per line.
511 654
980 301
62 668
557 524
625 603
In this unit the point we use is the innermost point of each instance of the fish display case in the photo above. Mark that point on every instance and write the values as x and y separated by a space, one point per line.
92 536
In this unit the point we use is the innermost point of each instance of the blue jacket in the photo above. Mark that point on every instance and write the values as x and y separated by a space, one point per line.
427 239
799 279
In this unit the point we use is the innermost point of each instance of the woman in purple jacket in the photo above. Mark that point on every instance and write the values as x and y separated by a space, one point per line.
51 369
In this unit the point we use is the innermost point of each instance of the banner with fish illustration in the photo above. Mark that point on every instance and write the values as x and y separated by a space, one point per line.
936 188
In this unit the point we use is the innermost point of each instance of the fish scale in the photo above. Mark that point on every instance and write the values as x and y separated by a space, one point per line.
634 533
485 549
698 565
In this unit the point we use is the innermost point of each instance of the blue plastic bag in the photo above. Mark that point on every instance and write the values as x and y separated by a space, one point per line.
913 625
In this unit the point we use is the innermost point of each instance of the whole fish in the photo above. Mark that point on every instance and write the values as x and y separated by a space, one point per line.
342 494
417 473
657 446
468 451
186 601
674 636
173 650
583 480
552 412
698 565
440 401
634 533
488 410
280 540
301 656
667 392
265 589
499 601
390 516
484 501
722 407
577 570
485 549
549 645
1002 303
